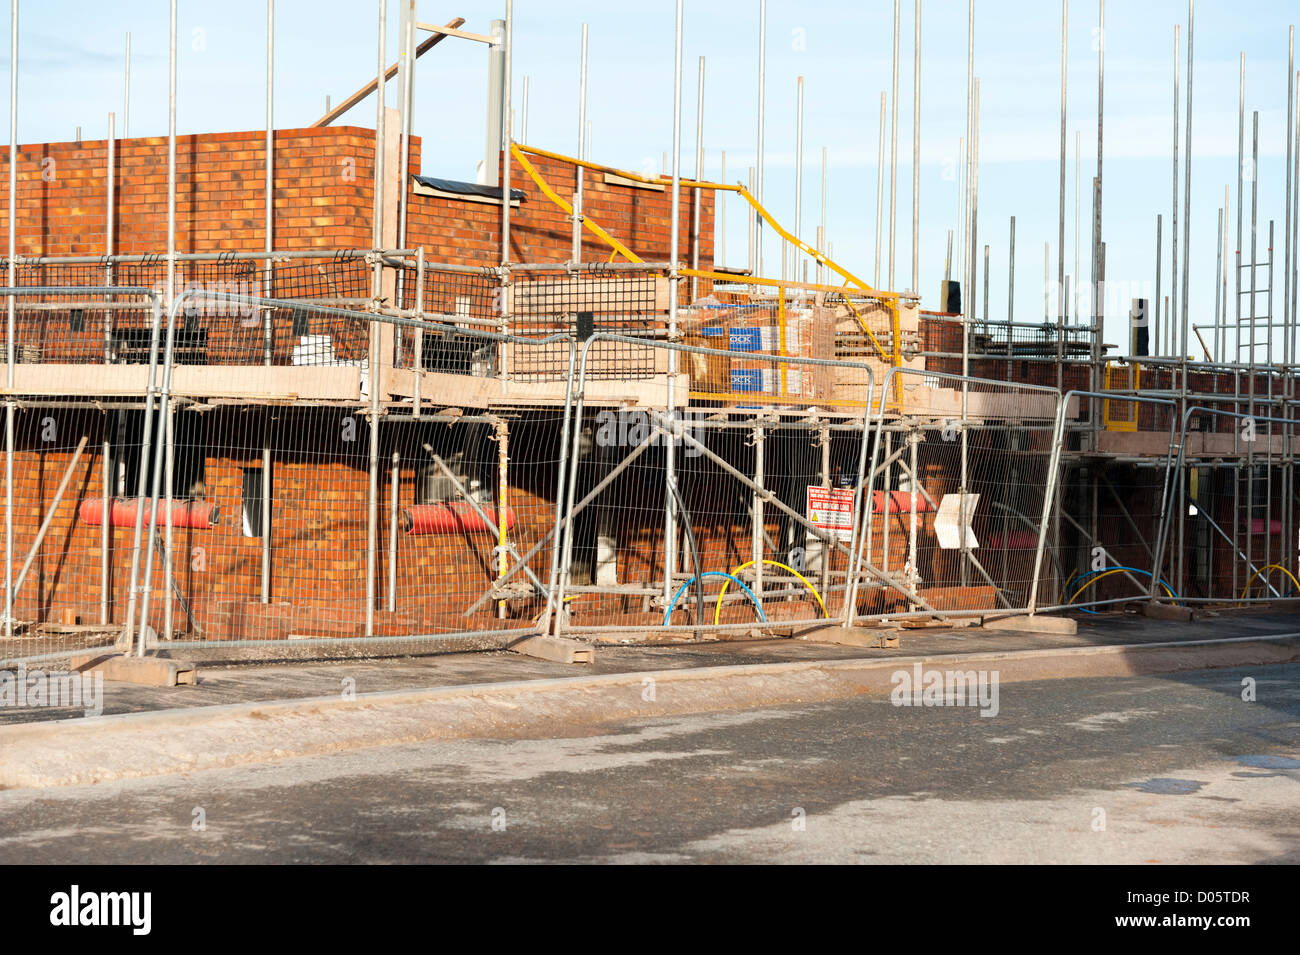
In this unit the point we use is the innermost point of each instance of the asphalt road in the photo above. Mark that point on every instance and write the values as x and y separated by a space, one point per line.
1170 769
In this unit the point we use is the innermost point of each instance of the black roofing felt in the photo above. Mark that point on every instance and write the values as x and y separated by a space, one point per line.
467 188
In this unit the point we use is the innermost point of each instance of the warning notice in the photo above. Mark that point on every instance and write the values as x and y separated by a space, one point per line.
831 509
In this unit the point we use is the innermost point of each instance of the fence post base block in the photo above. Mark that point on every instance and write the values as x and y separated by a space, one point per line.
1033 623
874 638
146 671
1159 611
556 649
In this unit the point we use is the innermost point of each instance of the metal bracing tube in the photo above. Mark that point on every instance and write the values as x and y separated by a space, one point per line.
171 162
1286 236
757 529
888 473
1295 228
1078 141
49 513
394 485
551 616
1187 190
578 171
406 96
670 461
762 97
913 481
975 199
880 190
105 529
1241 159
1220 348
110 202
105 473
391 257
11 325
505 143
821 232
798 176
503 498
893 149
967 264
1053 479
126 93
720 226
1218 269
1099 309
375 364
147 446
1060 227
699 174
169 489
986 287
751 219
417 378
268 291
1011 273
824 444
916 150
1157 341
1173 231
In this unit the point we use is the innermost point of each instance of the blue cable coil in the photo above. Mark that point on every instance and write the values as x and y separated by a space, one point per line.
715 573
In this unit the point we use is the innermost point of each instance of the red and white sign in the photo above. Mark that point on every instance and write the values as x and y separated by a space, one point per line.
831 509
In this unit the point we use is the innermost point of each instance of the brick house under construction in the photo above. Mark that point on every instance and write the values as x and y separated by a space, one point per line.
281 518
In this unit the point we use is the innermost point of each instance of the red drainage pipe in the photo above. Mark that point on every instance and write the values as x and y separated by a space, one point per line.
195 514
900 502
451 518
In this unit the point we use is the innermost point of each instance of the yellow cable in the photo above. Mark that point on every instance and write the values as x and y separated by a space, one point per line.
551 194
1261 570
1116 570
518 151
749 563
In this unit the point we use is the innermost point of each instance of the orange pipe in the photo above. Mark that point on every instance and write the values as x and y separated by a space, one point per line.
452 518
196 514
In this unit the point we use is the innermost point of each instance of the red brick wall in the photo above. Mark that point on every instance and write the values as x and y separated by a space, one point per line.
468 233
323 199
319 527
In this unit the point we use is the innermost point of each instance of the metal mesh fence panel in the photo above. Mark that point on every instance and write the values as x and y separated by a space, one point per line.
696 519
582 302
752 324
958 514
1229 534
56 328
1117 459
353 527
76 469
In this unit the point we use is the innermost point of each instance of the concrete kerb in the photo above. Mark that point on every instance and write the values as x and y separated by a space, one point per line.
75 752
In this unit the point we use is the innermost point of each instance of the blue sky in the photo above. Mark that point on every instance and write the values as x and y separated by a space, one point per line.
71 60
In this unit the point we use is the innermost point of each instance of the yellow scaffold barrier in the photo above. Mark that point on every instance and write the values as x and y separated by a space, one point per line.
889 300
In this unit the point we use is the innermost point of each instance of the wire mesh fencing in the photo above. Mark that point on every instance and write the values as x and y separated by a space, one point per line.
582 301
353 527
1118 457
61 325
1230 532
703 520
743 326
958 518
76 526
